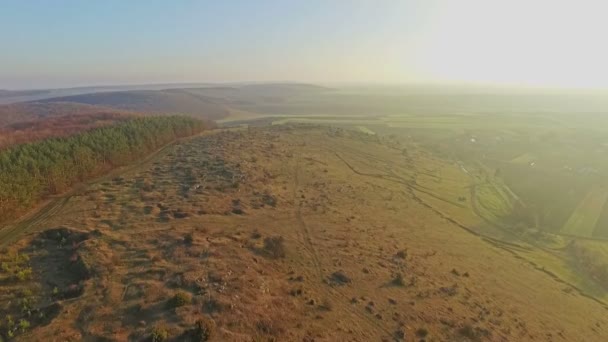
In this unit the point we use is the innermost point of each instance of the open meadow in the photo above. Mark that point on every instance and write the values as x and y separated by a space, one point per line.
293 232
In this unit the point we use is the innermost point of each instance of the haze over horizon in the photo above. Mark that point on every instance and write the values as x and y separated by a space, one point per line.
516 43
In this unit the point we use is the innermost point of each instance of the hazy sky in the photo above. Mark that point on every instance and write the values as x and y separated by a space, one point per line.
531 42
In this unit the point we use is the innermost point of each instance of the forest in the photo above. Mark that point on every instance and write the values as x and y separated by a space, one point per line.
31 171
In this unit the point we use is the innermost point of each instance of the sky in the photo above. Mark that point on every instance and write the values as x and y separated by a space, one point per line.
65 43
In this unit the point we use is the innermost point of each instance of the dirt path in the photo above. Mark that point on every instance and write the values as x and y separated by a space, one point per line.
339 300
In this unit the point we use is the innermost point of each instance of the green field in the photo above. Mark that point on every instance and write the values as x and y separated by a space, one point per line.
525 159
366 130
544 163
584 219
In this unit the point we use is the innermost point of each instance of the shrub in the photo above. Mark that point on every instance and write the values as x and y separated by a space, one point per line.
473 333
269 200
204 330
275 246
159 335
399 280
10 323
402 254
23 325
24 274
256 234
338 278
180 299
189 239
422 332
268 327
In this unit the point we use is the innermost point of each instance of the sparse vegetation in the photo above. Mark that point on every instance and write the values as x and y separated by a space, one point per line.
402 254
269 199
422 332
275 247
398 279
338 278
23 325
24 274
180 299
143 267
212 305
473 333
189 239
159 334
204 330
18 267
256 234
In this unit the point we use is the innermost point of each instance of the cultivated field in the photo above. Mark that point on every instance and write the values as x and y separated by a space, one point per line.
583 220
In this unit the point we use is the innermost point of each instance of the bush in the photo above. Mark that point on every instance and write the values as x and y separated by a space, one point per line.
402 254
204 330
399 280
269 200
256 234
473 333
338 278
189 239
180 299
24 274
422 332
275 246
159 335
23 325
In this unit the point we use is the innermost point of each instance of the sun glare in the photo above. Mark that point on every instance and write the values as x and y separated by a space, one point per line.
536 43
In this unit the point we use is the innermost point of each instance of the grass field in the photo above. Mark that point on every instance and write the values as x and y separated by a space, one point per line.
583 220
524 159
366 130
375 244
381 219
502 142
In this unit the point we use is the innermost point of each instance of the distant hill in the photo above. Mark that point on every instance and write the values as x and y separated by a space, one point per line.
32 121
200 101
210 103
158 102
256 93
7 93
14 96
56 126
30 111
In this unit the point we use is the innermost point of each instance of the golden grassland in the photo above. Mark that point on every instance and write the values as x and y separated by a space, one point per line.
286 233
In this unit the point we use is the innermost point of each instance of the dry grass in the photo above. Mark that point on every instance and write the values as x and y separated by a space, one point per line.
347 227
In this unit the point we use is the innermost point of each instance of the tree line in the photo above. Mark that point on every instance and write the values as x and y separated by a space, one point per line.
31 171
